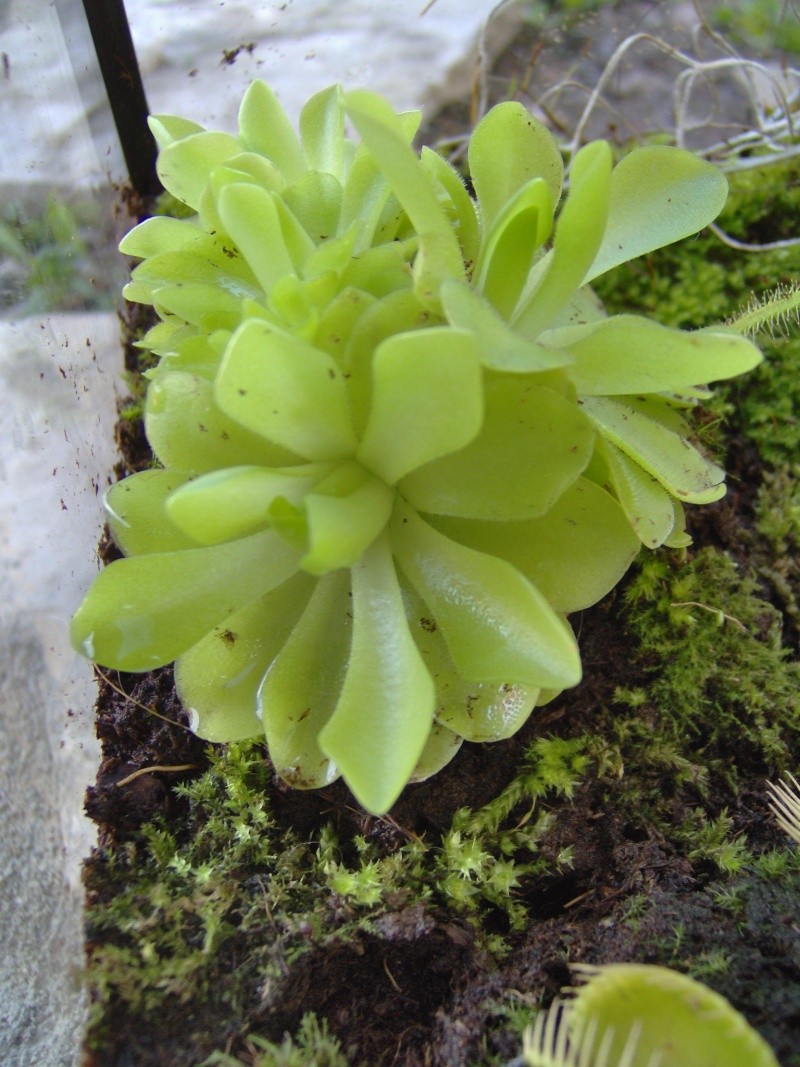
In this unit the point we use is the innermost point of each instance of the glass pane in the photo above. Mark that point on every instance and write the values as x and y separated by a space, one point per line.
58 362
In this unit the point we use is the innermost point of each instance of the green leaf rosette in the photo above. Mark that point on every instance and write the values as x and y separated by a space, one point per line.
398 440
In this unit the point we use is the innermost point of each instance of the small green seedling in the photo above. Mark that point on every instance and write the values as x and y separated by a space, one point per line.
639 1015
399 439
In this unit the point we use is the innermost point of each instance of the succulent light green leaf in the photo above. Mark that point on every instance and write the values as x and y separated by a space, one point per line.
500 347
478 711
584 307
383 270
291 307
475 711
397 312
666 455
290 521
265 129
574 554
244 169
169 128
679 537
483 711
666 409
158 234
631 354
203 259
286 391
144 611
507 149
221 178
249 167
204 305
262 225
579 231
345 512
298 241
393 223
137 517
497 626
194 353
464 216
189 432
318 290
198 283
250 215
225 504
184 167
218 679
302 686
315 200
322 131
681 1022
165 336
413 418
382 133
507 253
384 714
431 267
658 195
440 748
333 254
337 322
532 446
649 507
365 194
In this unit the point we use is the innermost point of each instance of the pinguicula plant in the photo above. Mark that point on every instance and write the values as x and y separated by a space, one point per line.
398 438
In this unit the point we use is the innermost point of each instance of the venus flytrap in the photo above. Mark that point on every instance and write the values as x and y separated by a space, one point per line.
640 1015
399 439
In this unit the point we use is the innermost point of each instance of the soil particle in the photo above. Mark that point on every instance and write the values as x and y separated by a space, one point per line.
134 738
380 992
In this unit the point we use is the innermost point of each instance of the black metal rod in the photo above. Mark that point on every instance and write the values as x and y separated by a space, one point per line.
108 25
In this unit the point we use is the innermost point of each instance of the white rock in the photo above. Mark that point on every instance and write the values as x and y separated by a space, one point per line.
56 125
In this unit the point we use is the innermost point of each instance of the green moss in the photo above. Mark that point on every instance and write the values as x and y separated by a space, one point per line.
777 550
514 1014
208 917
737 938
133 410
713 840
483 858
215 915
312 1045
764 24
718 696
767 407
